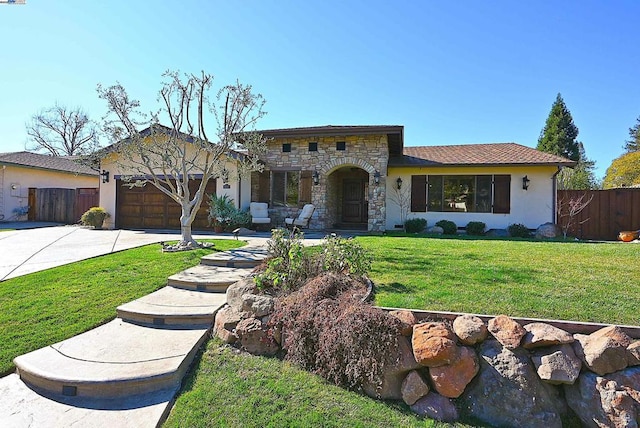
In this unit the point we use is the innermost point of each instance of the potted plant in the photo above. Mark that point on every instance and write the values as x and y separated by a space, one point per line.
94 217
221 212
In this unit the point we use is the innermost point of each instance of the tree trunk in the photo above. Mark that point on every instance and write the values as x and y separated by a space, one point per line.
185 229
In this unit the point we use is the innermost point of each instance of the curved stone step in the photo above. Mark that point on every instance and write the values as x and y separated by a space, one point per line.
208 278
114 360
173 306
242 257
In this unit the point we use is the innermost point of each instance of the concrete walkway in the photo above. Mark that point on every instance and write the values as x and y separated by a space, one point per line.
125 373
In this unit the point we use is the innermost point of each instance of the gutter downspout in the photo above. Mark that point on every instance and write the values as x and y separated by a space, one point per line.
554 185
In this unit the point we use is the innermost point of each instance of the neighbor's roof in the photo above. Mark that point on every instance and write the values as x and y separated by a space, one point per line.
39 161
311 131
496 154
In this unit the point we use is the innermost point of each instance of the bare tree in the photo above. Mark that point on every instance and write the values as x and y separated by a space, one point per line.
62 131
568 210
169 157
402 198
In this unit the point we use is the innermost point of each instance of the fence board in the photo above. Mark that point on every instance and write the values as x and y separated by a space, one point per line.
85 199
610 212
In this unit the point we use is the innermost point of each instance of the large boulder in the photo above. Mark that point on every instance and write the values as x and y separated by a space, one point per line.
225 324
238 289
612 400
451 380
435 406
395 371
433 344
633 354
257 305
508 392
469 329
557 364
506 331
414 387
435 230
255 338
548 231
408 320
540 334
604 351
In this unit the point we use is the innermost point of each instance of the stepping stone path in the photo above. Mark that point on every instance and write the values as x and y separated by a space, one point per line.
127 372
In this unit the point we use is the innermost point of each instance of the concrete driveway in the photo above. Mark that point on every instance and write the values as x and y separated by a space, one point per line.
23 251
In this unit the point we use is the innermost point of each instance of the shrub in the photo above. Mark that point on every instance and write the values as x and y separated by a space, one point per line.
344 255
223 213
95 217
415 225
518 230
330 331
449 227
475 228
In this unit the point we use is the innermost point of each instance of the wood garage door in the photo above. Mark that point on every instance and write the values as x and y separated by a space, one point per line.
148 208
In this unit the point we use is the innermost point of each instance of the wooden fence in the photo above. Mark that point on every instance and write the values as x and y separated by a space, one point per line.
609 212
60 205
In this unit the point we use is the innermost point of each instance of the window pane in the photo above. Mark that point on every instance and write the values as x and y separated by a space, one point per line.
293 182
459 193
277 186
483 193
434 202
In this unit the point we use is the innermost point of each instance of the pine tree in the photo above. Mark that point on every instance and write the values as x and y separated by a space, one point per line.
633 144
559 133
580 177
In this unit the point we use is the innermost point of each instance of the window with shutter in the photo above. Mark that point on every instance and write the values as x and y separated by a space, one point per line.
418 193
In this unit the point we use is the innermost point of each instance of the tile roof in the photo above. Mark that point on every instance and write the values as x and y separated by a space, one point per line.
495 154
334 130
36 160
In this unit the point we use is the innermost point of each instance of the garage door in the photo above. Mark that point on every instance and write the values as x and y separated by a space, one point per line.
148 208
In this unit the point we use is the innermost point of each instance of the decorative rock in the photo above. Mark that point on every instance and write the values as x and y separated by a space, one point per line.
604 351
557 365
498 233
414 387
547 231
236 290
433 344
470 329
451 380
506 331
435 230
541 334
254 337
633 354
257 305
435 406
224 324
508 392
394 374
612 400
408 320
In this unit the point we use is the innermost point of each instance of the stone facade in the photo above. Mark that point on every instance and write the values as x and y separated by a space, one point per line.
363 157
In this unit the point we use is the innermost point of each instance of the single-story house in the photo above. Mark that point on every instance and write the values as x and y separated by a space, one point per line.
25 175
363 177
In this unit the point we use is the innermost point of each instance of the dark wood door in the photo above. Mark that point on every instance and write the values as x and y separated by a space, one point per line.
353 201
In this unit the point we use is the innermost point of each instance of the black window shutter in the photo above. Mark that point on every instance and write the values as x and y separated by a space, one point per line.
501 194
305 187
418 193
264 184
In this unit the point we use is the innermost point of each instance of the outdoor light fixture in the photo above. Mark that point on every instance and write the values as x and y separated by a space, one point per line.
105 176
525 182
316 178
376 178
399 183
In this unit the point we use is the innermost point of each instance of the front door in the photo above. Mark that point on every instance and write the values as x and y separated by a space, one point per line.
353 201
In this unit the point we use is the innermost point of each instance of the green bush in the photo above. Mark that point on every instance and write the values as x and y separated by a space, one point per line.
449 227
518 230
415 225
223 213
94 216
475 228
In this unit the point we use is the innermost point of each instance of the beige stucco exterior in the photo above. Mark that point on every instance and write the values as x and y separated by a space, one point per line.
530 207
16 180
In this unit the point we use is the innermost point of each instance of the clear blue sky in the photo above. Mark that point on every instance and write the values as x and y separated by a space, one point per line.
451 72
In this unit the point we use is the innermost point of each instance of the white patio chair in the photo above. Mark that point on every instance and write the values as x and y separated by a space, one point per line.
302 221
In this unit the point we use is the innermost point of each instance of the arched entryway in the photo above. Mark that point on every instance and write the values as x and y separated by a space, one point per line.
348 198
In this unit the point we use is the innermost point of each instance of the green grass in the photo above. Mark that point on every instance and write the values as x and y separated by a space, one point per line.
46 307
230 389
597 282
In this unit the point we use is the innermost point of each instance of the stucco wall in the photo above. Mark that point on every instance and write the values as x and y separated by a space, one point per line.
22 178
530 207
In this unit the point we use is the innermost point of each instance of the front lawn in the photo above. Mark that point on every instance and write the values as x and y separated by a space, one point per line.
597 282
46 307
